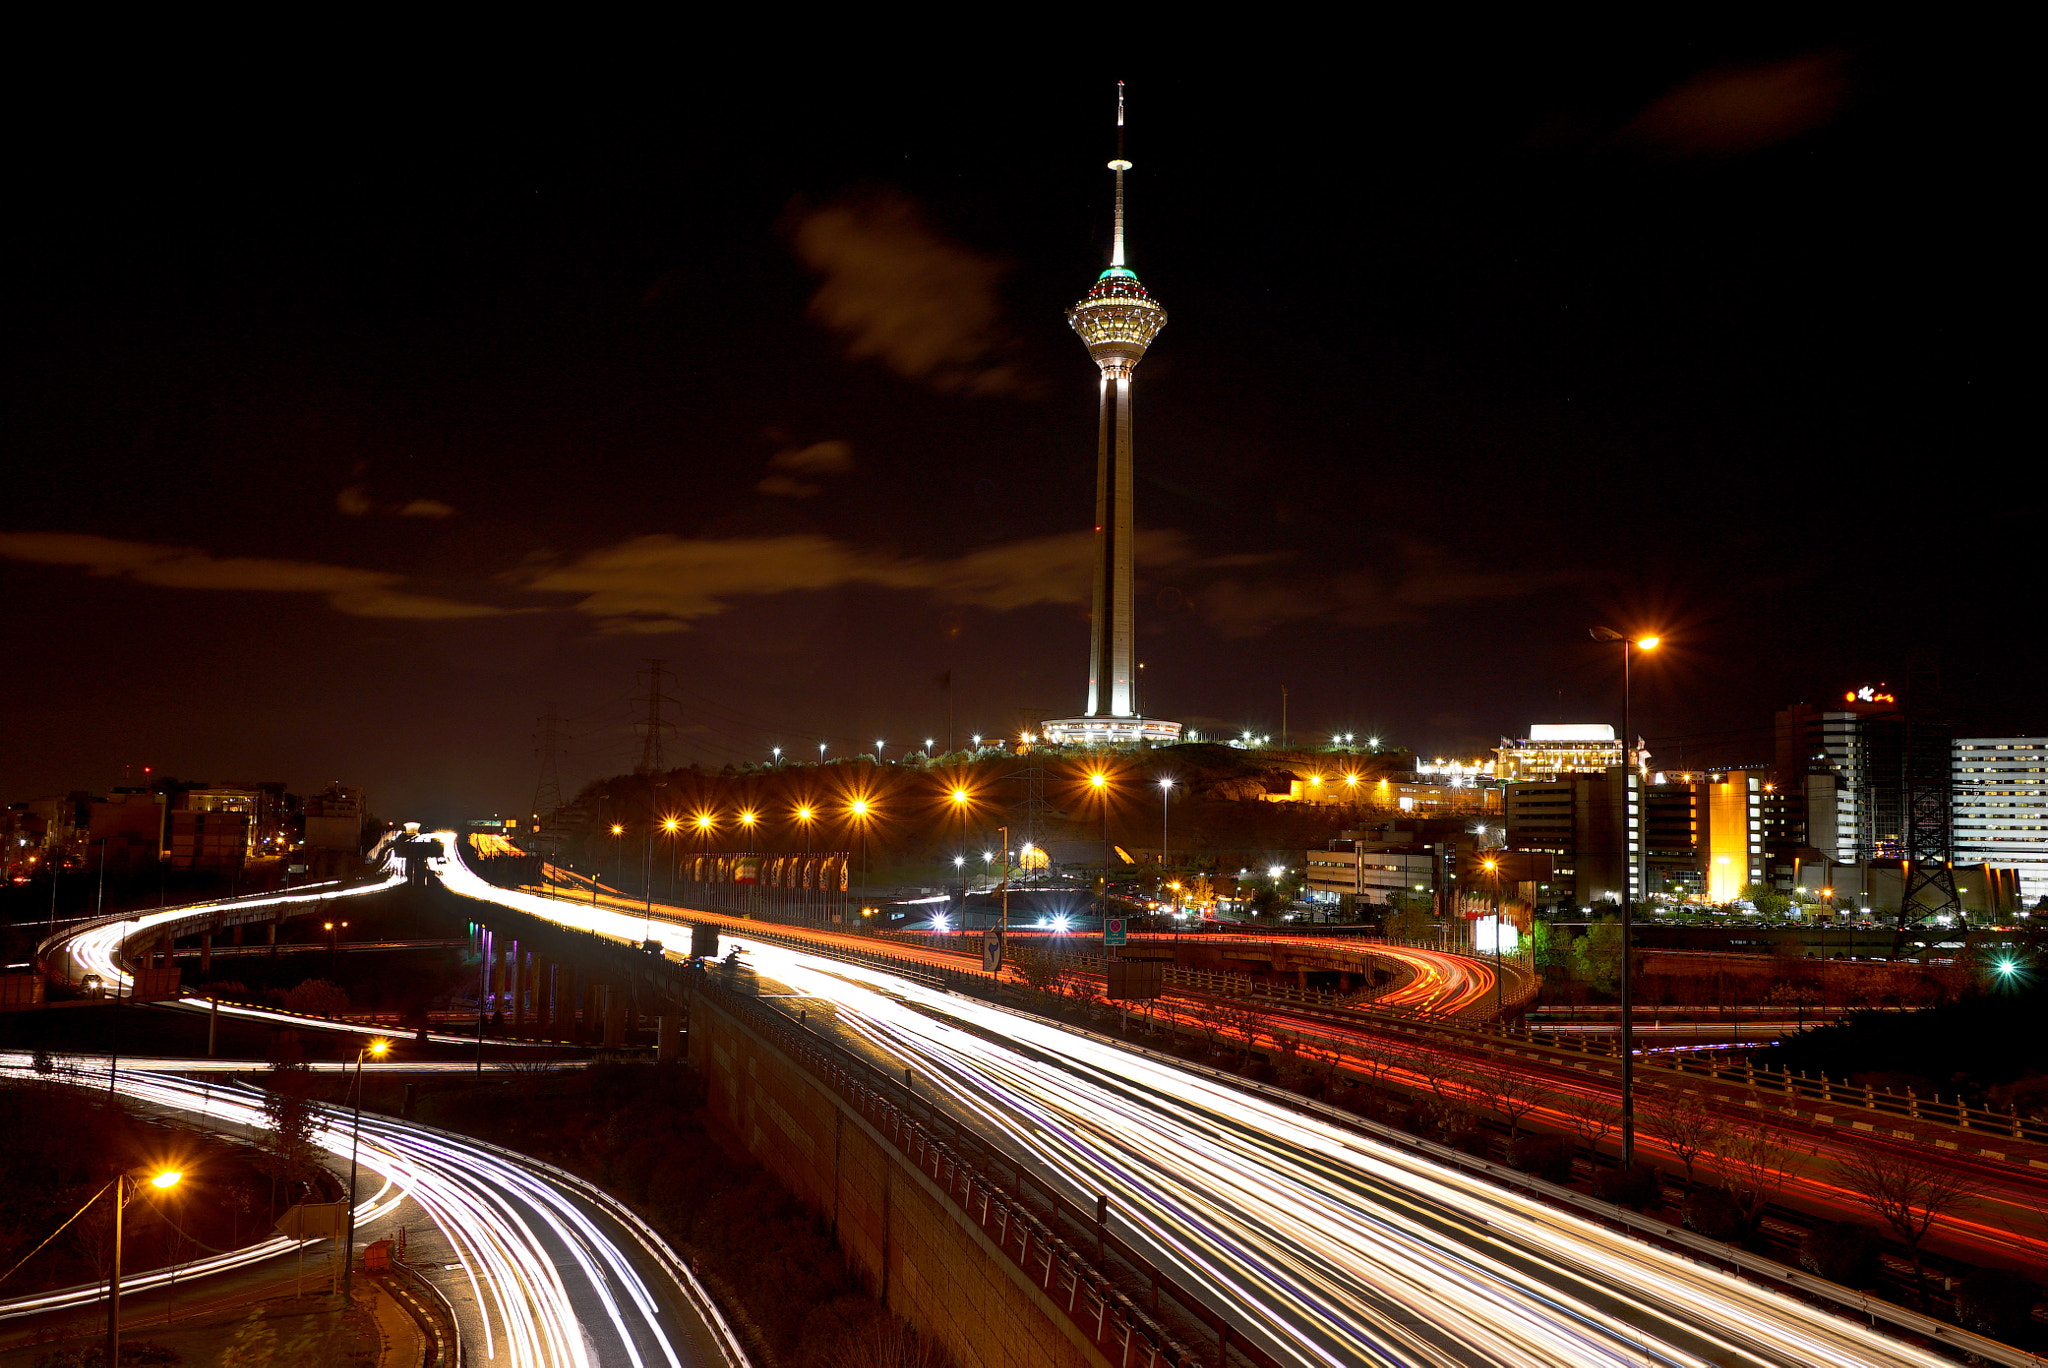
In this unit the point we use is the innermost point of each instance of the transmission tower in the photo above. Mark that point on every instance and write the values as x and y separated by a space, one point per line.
652 725
547 794
1930 887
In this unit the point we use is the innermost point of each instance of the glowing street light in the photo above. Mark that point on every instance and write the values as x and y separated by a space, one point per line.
1636 797
376 1049
123 1185
1165 792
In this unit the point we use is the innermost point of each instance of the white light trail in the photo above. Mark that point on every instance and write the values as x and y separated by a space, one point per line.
1330 1246
541 1271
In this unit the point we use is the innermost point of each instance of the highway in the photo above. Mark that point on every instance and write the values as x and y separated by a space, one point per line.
1327 1247
545 1271
93 949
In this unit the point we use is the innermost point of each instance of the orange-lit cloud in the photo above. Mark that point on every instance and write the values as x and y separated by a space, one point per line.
1731 111
1423 582
901 293
665 583
361 593
791 470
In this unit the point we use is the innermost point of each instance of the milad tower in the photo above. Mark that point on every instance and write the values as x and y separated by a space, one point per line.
1118 320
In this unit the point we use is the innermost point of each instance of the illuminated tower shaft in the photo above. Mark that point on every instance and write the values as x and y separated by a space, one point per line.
1118 321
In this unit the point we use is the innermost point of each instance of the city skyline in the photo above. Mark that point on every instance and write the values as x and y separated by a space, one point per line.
351 464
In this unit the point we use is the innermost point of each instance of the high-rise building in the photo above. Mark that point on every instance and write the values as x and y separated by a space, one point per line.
2000 798
1848 759
1117 320
1555 749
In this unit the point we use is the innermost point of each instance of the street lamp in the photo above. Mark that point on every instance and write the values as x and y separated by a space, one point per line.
859 810
378 1048
804 816
671 826
1099 781
1637 844
1165 792
124 1183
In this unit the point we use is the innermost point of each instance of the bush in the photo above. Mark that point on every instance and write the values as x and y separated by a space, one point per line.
1997 1303
316 997
1635 1187
1715 1213
1844 1252
1543 1155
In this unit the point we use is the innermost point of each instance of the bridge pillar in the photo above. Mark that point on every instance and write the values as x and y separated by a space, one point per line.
543 985
668 1036
205 953
270 934
1301 979
235 934
614 1015
520 956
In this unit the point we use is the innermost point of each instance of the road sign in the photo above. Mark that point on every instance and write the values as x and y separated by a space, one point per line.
1113 931
992 951
314 1221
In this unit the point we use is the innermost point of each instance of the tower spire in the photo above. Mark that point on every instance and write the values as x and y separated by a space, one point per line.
1116 248
1117 320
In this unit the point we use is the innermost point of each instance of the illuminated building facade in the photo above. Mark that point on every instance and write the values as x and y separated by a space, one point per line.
2001 808
1848 760
1117 320
1551 750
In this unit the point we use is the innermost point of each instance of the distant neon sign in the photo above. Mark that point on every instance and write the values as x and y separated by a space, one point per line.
1867 694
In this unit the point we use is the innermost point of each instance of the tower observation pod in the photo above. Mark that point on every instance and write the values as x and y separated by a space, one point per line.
1117 320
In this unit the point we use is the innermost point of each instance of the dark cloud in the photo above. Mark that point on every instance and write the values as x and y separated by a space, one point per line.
1426 582
819 458
1730 111
666 583
360 593
900 292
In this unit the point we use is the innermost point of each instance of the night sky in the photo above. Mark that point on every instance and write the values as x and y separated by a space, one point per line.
346 436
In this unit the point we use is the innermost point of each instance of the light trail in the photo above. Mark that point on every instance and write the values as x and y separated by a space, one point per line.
554 1272
95 949
1329 1247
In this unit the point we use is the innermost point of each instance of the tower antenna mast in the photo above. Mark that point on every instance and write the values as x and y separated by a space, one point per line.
1117 320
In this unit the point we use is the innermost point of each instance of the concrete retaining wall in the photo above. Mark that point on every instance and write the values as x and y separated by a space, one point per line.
939 1272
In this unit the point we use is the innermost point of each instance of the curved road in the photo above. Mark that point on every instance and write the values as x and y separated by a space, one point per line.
543 1270
1328 1247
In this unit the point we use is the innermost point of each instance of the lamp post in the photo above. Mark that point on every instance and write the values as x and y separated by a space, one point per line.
1635 845
804 817
123 1183
1099 781
859 810
1165 792
348 1265
747 819
619 849
670 825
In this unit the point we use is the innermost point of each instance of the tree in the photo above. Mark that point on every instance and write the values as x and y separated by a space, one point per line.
1683 1120
1909 1190
316 997
1512 1090
1407 923
1753 1155
1593 1116
286 1143
1597 954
